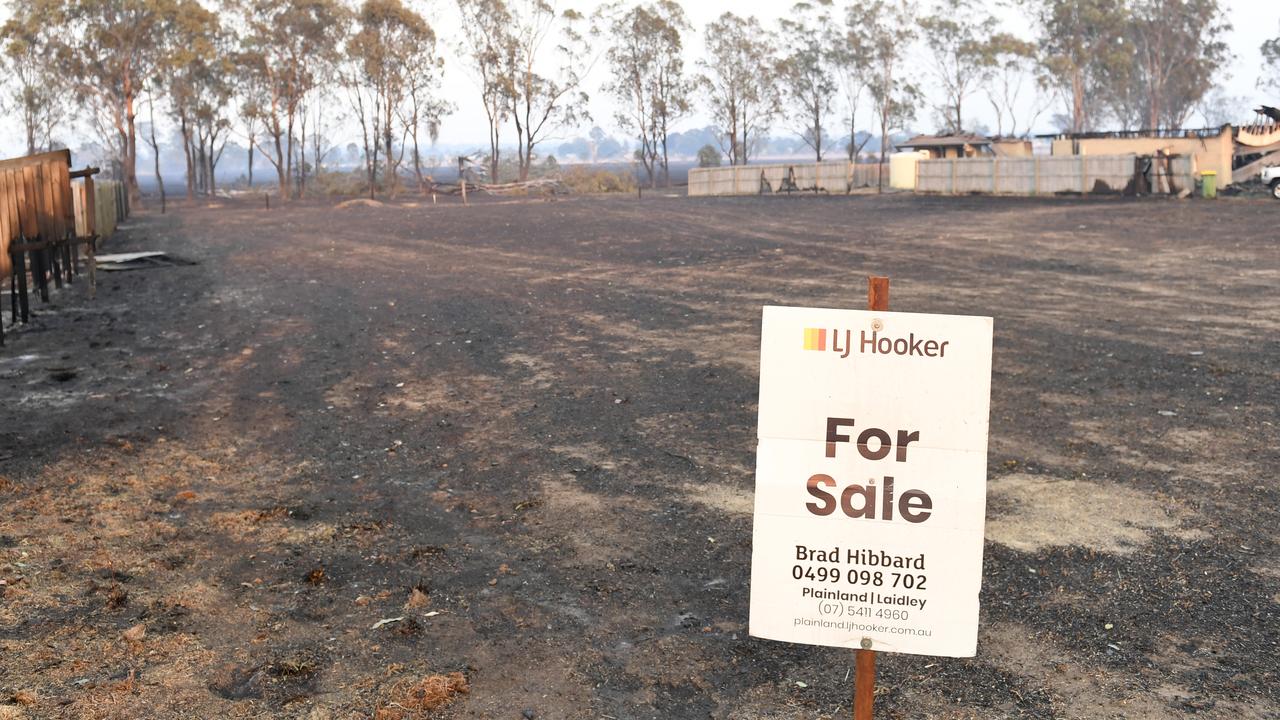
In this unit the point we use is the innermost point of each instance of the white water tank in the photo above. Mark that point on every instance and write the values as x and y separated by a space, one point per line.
902 168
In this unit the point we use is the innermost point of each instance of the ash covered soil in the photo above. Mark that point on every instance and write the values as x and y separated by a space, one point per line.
526 429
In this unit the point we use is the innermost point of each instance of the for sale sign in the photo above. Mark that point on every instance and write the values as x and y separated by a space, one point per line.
871 479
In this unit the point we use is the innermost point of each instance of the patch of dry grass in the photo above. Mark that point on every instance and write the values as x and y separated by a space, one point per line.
414 698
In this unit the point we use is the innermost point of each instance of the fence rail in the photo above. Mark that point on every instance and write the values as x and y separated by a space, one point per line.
1127 174
827 177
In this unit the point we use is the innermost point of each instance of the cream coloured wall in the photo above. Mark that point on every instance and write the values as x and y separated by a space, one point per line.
1210 153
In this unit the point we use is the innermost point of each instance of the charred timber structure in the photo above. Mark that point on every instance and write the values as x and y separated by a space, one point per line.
46 220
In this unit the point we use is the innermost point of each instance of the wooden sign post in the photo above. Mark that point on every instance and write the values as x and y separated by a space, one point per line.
870 481
864 684
864 676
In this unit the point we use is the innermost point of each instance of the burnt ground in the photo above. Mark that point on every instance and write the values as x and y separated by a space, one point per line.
527 429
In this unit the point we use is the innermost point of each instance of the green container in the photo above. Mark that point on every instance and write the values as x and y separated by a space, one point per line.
1209 184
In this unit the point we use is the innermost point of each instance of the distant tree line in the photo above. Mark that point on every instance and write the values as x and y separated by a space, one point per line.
286 76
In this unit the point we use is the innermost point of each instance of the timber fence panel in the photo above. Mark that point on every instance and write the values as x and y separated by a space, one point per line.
1093 174
773 175
105 205
1016 176
66 207
1061 175
102 192
1172 175
868 175
833 177
699 182
1109 173
9 227
934 176
78 206
806 177
837 177
973 175
29 201
43 222
50 215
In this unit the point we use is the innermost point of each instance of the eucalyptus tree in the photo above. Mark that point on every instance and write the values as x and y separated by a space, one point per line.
424 108
738 84
633 54
1013 62
550 54
196 74
1080 49
957 32
287 47
36 93
807 69
489 48
1179 48
851 58
671 88
106 50
894 96
389 56
155 145
1270 78
648 77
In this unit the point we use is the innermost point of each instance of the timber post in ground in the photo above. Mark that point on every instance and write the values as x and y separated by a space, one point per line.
864 678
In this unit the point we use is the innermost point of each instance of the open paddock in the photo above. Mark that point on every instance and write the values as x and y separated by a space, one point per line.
351 452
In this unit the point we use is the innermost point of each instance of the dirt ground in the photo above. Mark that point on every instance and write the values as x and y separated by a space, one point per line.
496 462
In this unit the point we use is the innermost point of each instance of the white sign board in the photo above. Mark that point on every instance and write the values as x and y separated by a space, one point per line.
871 479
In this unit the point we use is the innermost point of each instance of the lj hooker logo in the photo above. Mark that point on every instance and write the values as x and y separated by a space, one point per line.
815 339
873 343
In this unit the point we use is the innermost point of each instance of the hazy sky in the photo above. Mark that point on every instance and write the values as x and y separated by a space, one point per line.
1253 22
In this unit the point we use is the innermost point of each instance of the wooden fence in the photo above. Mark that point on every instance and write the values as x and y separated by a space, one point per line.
45 220
826 177
108 205
1127 174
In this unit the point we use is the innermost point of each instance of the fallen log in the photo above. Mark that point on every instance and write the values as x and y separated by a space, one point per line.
449 188
548 185
551 186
